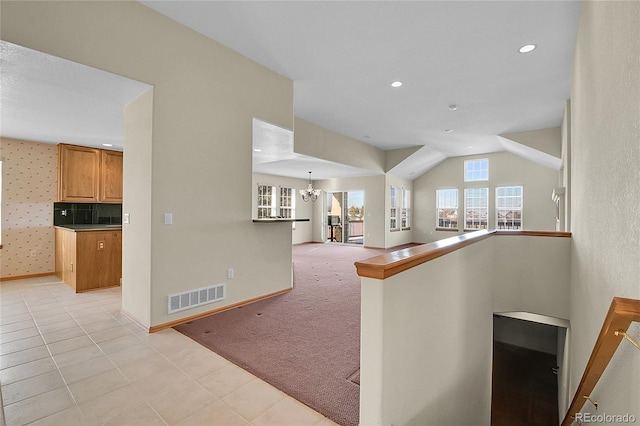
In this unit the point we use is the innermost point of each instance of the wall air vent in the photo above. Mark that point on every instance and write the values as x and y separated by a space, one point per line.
198 297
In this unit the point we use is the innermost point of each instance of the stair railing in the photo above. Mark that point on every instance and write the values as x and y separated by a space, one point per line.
622 313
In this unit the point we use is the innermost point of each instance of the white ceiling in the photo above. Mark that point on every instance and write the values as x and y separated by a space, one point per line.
342 57
49 99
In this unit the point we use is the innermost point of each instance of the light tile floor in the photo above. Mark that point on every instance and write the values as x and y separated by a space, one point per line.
74 359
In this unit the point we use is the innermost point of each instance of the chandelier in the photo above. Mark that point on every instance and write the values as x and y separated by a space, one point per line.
309 193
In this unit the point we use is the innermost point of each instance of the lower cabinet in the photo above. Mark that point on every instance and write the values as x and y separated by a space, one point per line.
89 260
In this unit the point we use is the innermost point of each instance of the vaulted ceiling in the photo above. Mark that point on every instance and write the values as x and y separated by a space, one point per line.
464 81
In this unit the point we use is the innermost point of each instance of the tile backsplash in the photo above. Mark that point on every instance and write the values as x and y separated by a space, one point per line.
87 213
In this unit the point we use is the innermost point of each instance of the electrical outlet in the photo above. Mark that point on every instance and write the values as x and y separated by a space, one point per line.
100 245
230 273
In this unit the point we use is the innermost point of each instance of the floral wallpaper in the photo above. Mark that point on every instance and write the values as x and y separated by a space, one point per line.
28 193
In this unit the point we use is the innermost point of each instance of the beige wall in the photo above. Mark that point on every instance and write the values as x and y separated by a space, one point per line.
136 237
402 236
316 141
504 169
205 98
427 332
426 343
605 196
28 193
544 140
374 211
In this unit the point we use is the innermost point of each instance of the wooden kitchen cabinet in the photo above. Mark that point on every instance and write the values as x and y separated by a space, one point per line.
78 173
89 175
110 176
88 260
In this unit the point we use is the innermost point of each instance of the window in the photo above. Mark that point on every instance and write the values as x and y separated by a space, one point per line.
406 209
266 201
287 203
509 207
393 223
476 208
476 170
447 208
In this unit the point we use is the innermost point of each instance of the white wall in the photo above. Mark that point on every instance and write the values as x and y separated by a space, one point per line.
205 98
504 169
605 196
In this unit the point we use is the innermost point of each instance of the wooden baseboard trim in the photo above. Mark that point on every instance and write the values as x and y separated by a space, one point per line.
159 327
21 277
97 288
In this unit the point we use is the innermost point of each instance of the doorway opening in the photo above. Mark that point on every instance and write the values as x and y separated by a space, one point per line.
345 217
529 369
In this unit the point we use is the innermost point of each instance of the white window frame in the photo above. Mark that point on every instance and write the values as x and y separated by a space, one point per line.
394 224
267 201
446 206
405 214
478 168
287 202
511 201
476 223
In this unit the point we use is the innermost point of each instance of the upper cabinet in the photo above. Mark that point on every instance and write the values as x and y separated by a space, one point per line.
89 175
110 176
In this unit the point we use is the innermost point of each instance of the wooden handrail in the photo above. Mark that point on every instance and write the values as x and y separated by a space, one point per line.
387 265
622 313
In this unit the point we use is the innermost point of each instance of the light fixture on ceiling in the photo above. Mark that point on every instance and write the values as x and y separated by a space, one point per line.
396 84
527 48
309 193
257 150
107 144
448 131
453 107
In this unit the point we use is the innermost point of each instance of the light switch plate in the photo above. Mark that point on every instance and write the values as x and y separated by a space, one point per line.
125 219
168 219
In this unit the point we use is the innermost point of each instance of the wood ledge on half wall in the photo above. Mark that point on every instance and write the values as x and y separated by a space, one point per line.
389 264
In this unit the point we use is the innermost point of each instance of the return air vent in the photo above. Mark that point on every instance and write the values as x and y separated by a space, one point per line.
198 297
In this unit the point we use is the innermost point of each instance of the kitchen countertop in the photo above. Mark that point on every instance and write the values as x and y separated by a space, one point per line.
273 220
90 227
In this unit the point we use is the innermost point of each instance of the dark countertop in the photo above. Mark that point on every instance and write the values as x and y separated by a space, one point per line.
274 220
90 227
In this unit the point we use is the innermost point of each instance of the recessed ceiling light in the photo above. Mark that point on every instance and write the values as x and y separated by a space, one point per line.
107 144
527 48
396 84
448 131
453 107
257 150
